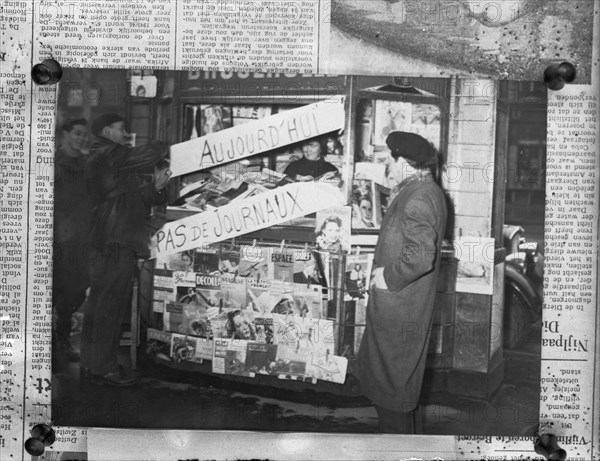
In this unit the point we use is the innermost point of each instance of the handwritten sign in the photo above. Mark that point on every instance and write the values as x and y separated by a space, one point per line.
256 137
252 214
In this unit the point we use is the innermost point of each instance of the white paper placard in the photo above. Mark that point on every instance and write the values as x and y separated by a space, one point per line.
267 209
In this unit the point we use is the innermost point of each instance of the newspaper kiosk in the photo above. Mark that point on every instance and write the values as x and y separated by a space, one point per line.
195 106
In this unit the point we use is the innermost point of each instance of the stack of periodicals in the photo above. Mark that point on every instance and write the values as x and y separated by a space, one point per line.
250 310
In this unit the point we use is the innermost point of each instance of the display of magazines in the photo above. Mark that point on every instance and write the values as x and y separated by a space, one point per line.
273 324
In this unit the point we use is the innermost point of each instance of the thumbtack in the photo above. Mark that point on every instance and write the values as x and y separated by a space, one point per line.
42 436
48 72
547 446
557 75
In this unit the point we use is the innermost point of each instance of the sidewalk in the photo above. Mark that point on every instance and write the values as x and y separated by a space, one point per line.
186 402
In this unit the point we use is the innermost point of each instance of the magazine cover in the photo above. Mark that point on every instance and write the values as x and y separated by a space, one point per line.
194 321
291 362
260 359
207 291
183 261
264 328
320 337
281 264
233 292
229 260
308 301
283 294
260 297
219 354
204 349
291 330
357 275
206 260
173 317
164 289
306 268
333 227
158 344
254 263
185 283
214 118
369 203
183 348
327 367
363 216
218 324
235 358
240 324
357 278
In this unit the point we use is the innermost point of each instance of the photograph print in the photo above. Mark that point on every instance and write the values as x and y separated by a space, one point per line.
161 340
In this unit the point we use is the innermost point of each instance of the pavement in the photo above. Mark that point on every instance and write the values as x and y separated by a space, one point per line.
175 400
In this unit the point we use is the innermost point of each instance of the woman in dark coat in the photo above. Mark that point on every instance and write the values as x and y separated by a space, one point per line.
394 347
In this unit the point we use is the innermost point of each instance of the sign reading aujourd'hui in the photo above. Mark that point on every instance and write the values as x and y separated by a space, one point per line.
257 137
259 212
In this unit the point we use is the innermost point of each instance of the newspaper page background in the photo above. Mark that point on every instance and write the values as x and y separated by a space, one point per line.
171 34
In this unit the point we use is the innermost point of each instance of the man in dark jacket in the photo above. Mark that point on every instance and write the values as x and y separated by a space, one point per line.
394 347
123 185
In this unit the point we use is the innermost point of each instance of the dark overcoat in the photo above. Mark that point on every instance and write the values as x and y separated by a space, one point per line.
122 191
393 351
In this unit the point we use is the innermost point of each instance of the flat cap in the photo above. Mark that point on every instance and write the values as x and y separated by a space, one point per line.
410 146
104 120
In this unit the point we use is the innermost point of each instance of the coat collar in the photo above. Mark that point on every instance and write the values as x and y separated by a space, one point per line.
421 176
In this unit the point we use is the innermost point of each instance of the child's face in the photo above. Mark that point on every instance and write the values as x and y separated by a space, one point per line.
331 232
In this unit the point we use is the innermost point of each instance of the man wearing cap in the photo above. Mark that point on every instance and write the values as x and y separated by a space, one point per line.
393 350
123 183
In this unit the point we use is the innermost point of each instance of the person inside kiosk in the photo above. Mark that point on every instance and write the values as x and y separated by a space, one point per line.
312 166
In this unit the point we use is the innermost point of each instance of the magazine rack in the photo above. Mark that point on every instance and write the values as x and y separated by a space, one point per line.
334 310
338 310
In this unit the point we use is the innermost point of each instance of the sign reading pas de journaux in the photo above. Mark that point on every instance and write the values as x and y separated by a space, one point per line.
257 137
237 218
